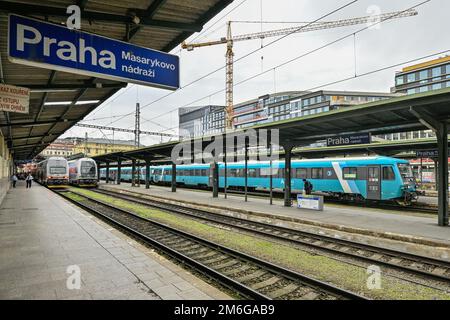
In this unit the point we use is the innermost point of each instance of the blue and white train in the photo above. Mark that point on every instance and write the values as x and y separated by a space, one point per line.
367 178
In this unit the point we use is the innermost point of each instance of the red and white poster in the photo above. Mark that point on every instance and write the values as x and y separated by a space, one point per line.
14 99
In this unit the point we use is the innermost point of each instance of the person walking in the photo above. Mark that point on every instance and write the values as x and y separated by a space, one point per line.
307 187
14 180
29 180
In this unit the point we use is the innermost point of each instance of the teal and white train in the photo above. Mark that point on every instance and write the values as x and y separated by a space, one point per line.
365 178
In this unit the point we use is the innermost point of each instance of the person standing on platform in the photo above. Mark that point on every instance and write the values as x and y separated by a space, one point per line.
29 180
307 187
14 180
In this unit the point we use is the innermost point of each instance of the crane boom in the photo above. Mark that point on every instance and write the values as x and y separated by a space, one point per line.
315 26
306 28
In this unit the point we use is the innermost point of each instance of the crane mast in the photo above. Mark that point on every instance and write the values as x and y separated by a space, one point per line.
229 41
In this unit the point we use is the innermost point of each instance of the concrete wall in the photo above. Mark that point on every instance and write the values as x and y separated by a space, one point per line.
5 168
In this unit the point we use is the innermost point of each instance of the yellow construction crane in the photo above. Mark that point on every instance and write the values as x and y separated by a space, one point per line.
229 41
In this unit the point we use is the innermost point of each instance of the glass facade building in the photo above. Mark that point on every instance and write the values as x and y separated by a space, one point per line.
419 78
424 77
208 120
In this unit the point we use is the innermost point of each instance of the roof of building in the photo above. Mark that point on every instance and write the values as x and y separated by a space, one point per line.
399 114
268 96
163 24
426 64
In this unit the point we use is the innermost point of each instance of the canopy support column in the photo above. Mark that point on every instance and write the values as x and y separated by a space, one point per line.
442 179
287 175
107 173
215 179
441 130
147 174
133 173
98 171
174 177
119 171
246 167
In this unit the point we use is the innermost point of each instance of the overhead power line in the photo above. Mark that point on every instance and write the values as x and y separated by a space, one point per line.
237 60
151 133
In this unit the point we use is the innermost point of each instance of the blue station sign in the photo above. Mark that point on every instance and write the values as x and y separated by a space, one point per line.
348 140
41 44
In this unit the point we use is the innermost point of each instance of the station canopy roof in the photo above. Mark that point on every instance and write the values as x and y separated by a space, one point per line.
163 24
386 148
399 114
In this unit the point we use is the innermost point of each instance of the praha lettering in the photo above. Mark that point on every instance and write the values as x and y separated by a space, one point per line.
65 50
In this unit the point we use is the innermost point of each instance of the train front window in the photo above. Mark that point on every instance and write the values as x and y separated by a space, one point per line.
88 169
57 170
405 171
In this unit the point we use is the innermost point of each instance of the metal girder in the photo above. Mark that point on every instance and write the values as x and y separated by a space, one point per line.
28 9
29 145
208 15
425 119
26 137
44 98
35 123
148 14
82 4
70 86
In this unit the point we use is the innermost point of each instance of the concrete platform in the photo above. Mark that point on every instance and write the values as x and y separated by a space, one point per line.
382 227
42 237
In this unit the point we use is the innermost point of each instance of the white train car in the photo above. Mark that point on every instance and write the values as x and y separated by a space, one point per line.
83 172
53 172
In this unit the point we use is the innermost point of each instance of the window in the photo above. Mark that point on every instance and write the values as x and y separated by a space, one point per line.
57 170
423 89
423 75
411 77
436 72
411 91
316 173
399 81
374 174
437 86
350 173
251 173
388 173
301 173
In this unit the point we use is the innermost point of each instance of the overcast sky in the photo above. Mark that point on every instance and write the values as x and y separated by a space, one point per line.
393 42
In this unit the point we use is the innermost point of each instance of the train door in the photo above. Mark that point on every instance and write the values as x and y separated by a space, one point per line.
374 183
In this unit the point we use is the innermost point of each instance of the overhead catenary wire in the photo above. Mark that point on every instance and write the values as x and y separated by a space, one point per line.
239 59
195 38
300 56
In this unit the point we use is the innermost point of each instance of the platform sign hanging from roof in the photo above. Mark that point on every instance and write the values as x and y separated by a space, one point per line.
46 45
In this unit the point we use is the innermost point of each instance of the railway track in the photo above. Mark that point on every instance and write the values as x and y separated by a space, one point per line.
249 276
329 199
414 264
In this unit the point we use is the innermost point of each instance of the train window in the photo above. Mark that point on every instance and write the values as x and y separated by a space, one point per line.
204 172
350 173
373 174
169 172
316 173
388 173
252 173
301 173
